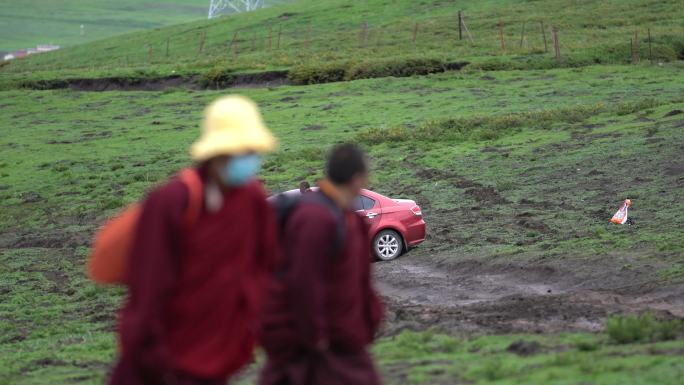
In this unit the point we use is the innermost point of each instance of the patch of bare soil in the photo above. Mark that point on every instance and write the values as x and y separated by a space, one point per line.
673 113
238 80
47 239
444 221
314 127
472 297
247 80
524 348
126 84
255 80
485 194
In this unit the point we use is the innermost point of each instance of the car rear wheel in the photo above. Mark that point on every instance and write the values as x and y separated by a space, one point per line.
387 245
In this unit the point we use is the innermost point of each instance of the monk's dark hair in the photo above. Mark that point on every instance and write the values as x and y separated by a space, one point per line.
345 161
304 185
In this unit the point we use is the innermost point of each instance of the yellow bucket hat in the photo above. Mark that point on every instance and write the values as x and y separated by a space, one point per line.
232 126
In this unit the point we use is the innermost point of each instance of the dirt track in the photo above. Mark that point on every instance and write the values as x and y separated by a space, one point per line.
262 79
471 297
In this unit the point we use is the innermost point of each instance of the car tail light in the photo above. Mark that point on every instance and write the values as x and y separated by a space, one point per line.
416 211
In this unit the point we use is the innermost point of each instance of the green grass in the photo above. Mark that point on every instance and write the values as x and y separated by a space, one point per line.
627 329
87 165
433 358
58 22
534 191
589 33
131 147
524 165
55 326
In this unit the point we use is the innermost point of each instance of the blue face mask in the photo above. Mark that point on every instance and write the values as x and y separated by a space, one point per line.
240 169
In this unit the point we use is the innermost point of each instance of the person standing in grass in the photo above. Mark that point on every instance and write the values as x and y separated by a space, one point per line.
195 292
322 312
304 187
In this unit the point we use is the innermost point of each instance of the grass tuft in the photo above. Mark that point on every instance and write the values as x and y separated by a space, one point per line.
317 72
479 128
642 328
216 76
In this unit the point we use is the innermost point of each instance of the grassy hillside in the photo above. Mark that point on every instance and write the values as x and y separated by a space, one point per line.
533 177
24 24
107 133
517 161
312 32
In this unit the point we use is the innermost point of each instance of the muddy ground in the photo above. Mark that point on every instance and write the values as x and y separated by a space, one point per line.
262 79
440 285
433 291
424 291
238 80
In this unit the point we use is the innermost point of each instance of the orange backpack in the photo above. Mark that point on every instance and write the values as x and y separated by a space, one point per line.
112 244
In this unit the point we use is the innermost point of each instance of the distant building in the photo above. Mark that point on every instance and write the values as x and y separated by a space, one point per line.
40 48
46 47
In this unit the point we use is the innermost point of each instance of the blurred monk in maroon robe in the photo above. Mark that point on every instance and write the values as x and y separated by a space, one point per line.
322 311
195 293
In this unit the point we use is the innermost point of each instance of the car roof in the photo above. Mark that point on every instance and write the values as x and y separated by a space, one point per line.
382 199
363 191
368 193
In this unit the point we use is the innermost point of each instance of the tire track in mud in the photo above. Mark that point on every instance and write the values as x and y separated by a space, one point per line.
573 292
474 212
471 297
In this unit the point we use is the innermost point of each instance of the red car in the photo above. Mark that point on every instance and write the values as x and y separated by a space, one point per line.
395 224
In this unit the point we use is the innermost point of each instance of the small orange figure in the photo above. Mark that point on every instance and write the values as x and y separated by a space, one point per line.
620 217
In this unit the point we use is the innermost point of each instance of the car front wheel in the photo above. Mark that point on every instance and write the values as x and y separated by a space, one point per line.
387 245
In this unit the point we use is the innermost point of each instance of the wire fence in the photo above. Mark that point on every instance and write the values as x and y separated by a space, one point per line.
449 35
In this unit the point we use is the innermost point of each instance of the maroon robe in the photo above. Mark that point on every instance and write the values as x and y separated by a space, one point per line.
321 300
195 293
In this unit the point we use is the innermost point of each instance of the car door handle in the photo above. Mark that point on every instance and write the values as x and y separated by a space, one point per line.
371 215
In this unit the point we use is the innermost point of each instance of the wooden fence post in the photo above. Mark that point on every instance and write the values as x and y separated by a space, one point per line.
522 35
465 27
378 38
650 53
308 36
253 40
635 48
363 37
270 37
280 32
460 26
546 49
234 44
200 49
149 54
556 43
167 46
501 35
415 33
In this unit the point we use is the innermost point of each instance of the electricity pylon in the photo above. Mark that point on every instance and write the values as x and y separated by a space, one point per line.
216 6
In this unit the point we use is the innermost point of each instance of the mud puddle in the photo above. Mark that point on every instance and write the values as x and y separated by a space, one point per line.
417 283
469 298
